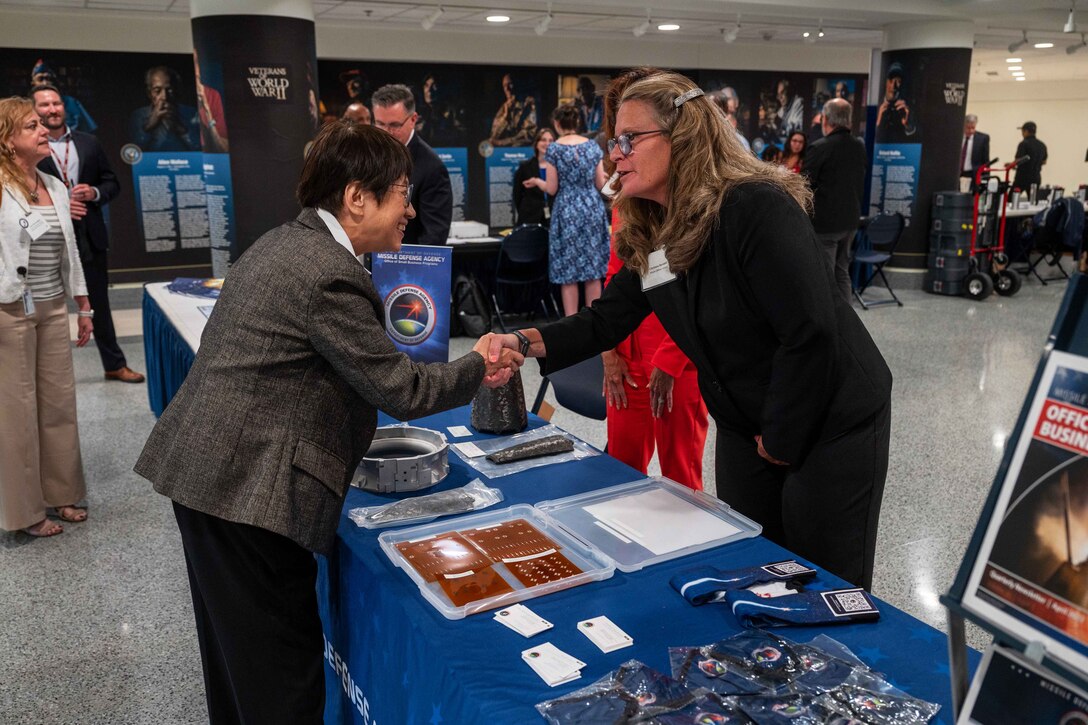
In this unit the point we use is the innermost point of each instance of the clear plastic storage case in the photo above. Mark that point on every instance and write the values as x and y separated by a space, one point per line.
486 561
649 521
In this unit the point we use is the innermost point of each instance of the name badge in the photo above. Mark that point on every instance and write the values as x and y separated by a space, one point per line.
28 302
35 225
657 271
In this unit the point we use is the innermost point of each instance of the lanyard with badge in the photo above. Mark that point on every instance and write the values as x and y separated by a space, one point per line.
62 166
35 225
657 271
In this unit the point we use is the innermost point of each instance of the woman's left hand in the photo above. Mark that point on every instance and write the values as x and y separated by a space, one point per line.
661 384
530 183
84 328
767 456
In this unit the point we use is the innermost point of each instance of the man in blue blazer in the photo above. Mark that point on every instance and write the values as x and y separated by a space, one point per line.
78 160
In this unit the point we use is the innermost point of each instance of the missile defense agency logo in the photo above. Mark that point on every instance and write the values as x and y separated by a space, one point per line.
409 314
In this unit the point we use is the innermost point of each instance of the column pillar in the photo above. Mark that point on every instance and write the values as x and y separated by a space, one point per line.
920 96
256 70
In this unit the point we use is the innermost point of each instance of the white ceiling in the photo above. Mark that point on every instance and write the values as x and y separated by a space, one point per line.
764 23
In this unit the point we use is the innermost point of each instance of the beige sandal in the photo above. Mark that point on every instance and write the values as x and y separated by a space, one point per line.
71 514
44 528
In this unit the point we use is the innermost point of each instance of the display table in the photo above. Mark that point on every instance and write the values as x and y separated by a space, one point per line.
172 327
391 657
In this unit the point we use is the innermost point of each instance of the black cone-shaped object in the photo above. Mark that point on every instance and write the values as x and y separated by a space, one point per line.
500 410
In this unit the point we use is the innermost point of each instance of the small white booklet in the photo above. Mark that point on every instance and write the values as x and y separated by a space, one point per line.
604 633
553 665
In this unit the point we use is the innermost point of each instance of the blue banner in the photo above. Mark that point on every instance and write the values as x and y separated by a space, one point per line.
456 162
502 164
414 285
170 205
894 185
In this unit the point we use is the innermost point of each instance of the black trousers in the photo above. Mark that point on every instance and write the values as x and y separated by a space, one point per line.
96 271
825 510
256 620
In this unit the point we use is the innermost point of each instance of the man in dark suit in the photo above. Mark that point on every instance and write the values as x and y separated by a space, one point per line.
975 150
257 448
77 159
835 166
394 110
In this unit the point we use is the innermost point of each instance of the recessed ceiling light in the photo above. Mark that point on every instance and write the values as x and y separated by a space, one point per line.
1019 73
1016 67
1014 60
498 18
1043 46
668 26
805 34
1021 78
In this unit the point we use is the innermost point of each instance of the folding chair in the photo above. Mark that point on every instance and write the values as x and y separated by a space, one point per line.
883 234
577 388
523 264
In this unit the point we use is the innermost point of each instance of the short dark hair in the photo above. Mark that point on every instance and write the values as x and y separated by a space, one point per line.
567 117
43 87
346 152
393 94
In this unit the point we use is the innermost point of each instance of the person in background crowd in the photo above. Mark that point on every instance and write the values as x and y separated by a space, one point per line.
650 387
771 154
975 150
1029 172
718 244
259 445
80 162
515 121
164 124
794 151
578 242
835 167
78 117
590 107
726 100
40 463
213 122
531 204
357 112
432 196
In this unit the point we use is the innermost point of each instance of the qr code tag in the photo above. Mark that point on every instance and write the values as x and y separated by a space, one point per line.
788 570
853 603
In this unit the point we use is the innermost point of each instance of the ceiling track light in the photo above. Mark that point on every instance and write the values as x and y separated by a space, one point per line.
1074 48
1013 47
1071 21
545 22
730 36
430 20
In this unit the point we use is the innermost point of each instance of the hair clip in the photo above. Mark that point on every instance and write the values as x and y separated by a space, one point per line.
686 96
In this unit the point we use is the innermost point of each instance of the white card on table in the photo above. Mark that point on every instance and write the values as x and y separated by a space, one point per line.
604 633
553 664
522 620
468 449
459 431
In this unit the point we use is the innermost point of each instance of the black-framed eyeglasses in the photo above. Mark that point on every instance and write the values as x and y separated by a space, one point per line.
623 141
395 126
407 192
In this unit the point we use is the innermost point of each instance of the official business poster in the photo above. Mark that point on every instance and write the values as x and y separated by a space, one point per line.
414 285
896 168
1008 688
1030 576
502 164
456 162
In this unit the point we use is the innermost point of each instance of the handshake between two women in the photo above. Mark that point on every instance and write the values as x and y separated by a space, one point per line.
500 363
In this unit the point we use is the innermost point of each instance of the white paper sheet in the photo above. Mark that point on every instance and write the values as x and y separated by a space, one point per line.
661 521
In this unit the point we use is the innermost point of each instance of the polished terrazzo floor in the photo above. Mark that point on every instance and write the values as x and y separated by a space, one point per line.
97 625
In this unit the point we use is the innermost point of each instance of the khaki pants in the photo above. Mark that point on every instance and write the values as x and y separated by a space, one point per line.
40 464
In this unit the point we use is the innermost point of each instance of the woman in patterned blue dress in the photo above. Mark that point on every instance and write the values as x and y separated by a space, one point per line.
578 238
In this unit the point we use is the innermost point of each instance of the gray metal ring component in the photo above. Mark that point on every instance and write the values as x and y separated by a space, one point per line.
401 459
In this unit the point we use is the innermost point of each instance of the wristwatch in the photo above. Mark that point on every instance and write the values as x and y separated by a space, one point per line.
525 344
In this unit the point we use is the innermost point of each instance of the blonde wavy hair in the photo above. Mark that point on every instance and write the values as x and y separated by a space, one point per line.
706 165
13 111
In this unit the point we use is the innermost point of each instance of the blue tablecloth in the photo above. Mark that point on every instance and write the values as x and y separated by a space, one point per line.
392 658
168 356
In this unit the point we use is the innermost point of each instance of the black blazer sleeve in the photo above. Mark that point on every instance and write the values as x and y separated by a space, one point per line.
104 179
982 150
612 318
518 193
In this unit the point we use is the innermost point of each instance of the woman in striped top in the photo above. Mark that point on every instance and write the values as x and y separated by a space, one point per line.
40 465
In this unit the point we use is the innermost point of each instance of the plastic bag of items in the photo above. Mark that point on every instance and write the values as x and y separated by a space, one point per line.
513 454
420 509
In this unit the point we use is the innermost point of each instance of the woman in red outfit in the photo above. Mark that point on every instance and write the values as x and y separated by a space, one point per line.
794 152
650 387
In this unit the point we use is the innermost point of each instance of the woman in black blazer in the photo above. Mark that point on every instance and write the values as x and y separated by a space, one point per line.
531 205
719 246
